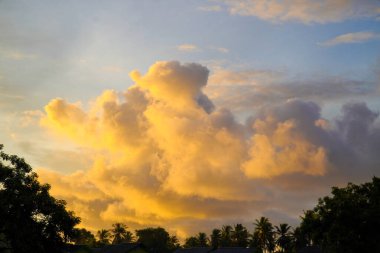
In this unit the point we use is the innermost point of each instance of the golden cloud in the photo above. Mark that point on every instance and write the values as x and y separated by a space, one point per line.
163 154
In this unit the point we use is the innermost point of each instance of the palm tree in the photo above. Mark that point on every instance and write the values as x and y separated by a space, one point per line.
202 240
263 235
103 236
216 237
191 242
226 236
121 234
240 236
284 239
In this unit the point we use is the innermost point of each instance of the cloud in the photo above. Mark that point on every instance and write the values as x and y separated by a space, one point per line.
223 50
246 89
163 154
210 8
112 69
305 11
349 38
187 48
223 76
16 55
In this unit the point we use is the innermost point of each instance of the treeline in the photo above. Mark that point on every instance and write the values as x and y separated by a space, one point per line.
33 221
347 221
154 239
265 237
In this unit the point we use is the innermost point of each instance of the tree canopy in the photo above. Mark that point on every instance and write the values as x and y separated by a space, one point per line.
157 240
348 221
31 219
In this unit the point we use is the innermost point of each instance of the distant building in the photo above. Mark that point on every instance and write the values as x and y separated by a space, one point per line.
122 248
194 250
234 250
310 249
117 248
218 250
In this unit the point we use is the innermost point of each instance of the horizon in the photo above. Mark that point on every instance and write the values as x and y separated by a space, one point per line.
191 115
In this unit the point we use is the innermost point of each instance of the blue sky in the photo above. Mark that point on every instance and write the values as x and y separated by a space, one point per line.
277 60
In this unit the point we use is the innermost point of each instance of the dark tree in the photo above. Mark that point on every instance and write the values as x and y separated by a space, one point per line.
173 243
240 236
202 240
120 234
226 236
263 236
83 237
191 242
299 239
157 240
104 236
283 237
216 237
31 219
348 221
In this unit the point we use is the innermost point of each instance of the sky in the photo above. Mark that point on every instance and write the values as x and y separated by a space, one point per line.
191 114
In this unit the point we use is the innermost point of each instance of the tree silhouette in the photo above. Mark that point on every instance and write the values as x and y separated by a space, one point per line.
284 238
121 234
191 242
263 235
299 239
216 237
226 236
103 236
348 221
202 240
30 219
83 237
157 240
240 236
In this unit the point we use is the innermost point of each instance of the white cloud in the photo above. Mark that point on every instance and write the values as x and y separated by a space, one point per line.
305 11
187 48
348 38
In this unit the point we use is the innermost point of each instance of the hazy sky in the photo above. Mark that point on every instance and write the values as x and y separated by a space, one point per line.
191 114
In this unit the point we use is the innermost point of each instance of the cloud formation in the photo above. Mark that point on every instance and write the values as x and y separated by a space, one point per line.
164 154
305 11
187 47
245 89
349 38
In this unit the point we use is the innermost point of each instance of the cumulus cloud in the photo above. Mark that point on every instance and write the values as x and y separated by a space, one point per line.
164 154
349 38
305 11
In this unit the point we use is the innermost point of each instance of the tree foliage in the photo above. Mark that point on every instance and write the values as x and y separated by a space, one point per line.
240 236
157 240
31 219
263 236
216 237
284 238
348 221
83 237
104 237
121 234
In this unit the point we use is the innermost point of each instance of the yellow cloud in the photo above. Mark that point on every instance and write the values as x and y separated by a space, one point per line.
283 151
164 155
